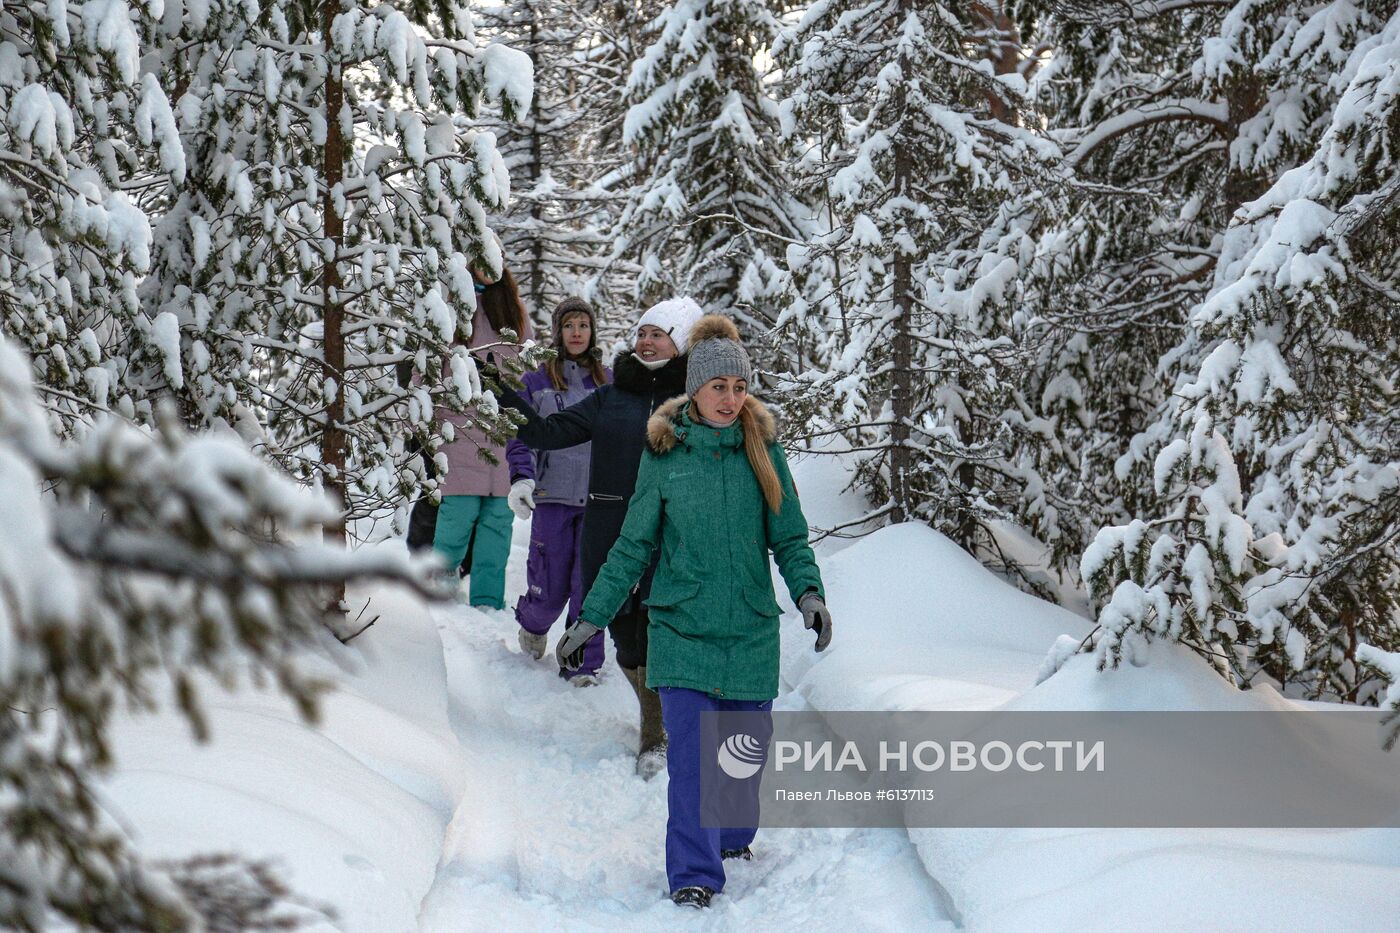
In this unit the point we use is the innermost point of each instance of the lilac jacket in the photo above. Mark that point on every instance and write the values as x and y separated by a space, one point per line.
467 473
561 476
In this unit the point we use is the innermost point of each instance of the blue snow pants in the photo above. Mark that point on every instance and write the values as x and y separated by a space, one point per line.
693 851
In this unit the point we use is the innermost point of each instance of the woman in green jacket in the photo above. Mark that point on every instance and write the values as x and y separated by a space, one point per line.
714 495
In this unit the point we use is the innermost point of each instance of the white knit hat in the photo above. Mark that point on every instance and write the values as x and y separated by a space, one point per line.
676 316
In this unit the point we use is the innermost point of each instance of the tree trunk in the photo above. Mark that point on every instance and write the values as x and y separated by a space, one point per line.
1002 49
333 339
967 482
1245 97
902 398
537 117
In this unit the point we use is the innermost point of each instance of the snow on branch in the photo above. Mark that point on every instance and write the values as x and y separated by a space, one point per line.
1124 11
1202 111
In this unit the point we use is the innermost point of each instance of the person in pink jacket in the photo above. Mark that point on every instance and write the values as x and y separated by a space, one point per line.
474 512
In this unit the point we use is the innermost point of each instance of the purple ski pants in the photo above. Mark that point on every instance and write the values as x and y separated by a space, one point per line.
554 576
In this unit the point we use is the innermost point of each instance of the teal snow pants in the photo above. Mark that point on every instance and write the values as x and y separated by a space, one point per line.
488 519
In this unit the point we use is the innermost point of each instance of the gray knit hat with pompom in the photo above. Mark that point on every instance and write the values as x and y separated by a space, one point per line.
715 351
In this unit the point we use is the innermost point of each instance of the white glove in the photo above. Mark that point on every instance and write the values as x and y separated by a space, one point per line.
521 498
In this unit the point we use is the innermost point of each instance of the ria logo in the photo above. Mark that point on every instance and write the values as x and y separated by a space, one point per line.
741 756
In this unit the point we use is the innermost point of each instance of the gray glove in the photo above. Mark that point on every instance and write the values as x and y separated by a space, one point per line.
569 651
815 615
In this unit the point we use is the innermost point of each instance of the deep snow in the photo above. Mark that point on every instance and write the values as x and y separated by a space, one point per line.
457 785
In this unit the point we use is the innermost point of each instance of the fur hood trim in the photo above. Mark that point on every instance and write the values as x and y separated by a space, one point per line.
631 376
661 427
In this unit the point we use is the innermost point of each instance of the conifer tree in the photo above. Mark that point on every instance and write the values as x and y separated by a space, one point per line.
82 126
1265 538
1131 248
915 149
136 564
563 154
709 210
136 560
336 204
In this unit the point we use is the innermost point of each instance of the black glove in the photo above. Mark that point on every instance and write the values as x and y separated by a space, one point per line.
490 373
569 651
815 615
503 384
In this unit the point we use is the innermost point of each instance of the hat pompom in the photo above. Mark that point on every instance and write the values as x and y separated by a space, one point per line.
711 326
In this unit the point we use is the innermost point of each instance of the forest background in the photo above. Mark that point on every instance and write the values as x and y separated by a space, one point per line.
1105 292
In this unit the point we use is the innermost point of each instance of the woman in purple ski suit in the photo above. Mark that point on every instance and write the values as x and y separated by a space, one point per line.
553 484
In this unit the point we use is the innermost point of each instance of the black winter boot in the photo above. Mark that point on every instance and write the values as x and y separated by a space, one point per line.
745 853
697 896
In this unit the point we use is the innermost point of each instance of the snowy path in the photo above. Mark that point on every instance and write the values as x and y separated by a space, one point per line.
454 785
556 832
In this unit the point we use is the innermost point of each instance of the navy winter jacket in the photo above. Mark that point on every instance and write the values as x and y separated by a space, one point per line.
614 418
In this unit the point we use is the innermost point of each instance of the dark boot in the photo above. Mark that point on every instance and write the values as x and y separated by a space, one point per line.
651 747
697 896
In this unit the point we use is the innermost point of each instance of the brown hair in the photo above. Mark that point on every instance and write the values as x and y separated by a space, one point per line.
590 360
502 304
756 447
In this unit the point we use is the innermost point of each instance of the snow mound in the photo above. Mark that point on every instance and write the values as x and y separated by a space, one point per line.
1171 678
352 811
920 624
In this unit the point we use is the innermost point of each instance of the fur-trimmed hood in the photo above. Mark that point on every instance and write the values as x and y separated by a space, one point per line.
661 427
631 376
708 515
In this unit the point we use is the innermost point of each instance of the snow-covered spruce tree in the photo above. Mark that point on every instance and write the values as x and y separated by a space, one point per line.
915 148
136 564
1387 665
1268 542
1124 251
709 205
616 36
557 230
80 125
335 203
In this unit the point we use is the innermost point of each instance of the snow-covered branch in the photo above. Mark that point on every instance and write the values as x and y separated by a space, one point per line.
1200 111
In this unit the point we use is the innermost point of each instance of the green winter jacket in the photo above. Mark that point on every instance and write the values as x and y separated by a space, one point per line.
714 620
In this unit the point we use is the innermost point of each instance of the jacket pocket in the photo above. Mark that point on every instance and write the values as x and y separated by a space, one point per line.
671 593
606 501
761 601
